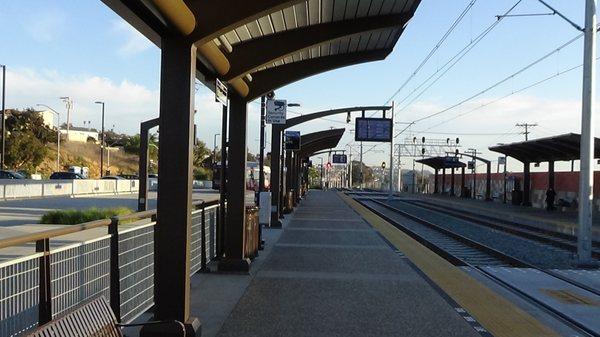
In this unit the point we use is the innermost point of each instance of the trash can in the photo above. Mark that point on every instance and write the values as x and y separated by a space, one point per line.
517 197
289 202
251 236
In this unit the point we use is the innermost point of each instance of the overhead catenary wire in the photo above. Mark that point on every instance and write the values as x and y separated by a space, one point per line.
453 60
518 72
529 86
434 49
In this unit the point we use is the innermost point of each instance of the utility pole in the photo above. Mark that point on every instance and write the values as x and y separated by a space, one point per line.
101 141
526 126
586 174
214 159
69 104
3 116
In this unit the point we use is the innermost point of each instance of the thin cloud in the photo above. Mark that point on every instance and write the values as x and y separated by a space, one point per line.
46 26
133 41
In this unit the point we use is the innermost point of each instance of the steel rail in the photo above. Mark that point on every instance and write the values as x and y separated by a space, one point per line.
560 240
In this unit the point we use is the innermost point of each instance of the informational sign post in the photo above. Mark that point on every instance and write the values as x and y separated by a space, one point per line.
276 111
501 161
220 92
373 130
292 140
340 159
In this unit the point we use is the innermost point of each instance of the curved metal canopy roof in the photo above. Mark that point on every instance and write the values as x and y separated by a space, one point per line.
438 163
317 141
258 46
557 148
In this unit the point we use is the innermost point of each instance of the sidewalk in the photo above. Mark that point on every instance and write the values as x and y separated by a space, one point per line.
330 274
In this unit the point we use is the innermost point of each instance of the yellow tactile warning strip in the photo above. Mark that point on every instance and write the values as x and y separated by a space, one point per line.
495 313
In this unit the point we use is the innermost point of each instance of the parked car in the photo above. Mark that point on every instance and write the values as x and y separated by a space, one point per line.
129 176
11 175
65 175
113 178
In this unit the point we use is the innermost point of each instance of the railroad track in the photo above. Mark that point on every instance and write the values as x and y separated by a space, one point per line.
462 251
559 240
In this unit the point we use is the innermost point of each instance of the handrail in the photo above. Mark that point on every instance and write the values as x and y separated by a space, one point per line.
48 234
21 239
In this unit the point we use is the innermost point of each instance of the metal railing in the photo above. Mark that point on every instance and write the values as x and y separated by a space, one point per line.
119 265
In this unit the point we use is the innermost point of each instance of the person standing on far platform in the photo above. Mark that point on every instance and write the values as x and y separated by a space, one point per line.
550 195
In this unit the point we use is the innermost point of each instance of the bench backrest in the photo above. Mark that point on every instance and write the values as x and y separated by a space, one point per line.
93 319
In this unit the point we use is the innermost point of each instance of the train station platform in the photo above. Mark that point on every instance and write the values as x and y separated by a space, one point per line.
558 221
335 269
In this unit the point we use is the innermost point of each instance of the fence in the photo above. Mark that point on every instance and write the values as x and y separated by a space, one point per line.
120 265
20 189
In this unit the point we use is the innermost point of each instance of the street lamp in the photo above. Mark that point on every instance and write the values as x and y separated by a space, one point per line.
57 135
102 142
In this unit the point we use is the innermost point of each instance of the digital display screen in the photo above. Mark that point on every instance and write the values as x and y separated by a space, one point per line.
373 130
340 159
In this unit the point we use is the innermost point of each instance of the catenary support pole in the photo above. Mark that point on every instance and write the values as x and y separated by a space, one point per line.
275 175
586 175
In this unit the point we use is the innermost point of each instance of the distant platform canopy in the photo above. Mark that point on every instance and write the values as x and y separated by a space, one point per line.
318 141
557 148
259 46
438 163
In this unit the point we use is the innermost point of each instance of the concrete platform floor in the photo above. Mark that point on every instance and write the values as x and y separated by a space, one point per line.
327 273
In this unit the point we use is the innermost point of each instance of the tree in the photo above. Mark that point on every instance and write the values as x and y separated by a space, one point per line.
131 144
26 140
367 171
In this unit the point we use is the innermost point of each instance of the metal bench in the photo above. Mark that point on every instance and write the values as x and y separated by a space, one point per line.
93 319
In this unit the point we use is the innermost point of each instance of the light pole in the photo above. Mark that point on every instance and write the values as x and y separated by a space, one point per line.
101 142
3 115
57 135
69 105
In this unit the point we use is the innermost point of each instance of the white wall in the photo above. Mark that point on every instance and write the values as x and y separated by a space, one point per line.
27 188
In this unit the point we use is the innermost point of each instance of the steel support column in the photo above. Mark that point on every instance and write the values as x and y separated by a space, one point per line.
551 175
435 181
172 234
143 163
488 182
452 182
526 184
275 175
222 186
463 182
443 180
234 259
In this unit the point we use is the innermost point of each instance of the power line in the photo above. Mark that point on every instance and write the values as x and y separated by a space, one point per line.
434 49
529 86
453 60
518 72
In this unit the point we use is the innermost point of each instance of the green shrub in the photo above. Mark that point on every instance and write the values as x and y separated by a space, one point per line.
73 217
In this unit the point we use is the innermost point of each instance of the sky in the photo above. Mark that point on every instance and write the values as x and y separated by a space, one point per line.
83 50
